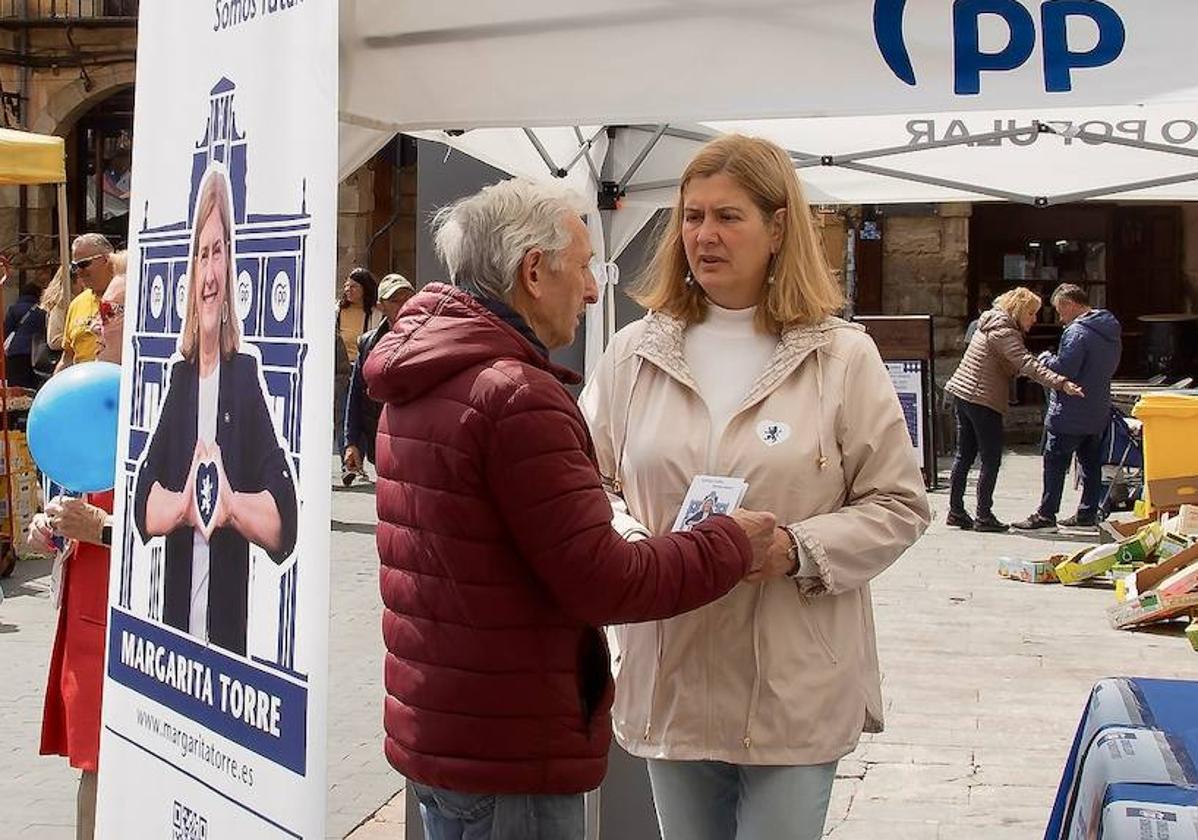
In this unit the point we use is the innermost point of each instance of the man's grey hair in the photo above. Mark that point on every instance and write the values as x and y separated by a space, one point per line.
98 242
482 238
1070 292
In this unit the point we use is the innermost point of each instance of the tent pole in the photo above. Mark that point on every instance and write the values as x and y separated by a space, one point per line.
1103 139
1115 189
584 151
644 153
554 169
64 234
850 266
1018 198
836 160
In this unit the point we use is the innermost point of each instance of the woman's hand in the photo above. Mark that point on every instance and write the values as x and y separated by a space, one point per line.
777 560
75 519
222 517
40 534
1073 389
188 514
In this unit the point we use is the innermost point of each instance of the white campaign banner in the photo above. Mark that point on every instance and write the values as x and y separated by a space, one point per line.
577 62
215 689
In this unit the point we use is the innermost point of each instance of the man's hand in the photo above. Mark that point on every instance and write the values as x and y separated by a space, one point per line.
75 519
1073 389
759 528
777 558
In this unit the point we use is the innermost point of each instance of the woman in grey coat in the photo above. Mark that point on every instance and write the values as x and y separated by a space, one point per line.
996 352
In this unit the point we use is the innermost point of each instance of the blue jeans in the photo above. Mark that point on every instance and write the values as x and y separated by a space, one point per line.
449 815
712 800
1058 452
979 432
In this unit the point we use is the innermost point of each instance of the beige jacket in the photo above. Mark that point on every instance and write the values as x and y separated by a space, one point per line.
772 673
995 354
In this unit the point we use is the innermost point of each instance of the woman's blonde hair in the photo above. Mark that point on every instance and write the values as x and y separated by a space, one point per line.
214 197
57 289
1018 302
803 289
119 260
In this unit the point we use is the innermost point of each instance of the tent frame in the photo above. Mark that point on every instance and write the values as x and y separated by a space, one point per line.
612 188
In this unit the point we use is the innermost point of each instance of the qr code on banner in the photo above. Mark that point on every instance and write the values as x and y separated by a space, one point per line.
188 824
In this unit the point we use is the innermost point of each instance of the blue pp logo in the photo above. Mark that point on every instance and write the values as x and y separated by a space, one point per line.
969 62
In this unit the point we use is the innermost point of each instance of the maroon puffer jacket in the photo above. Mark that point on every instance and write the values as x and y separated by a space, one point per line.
499 560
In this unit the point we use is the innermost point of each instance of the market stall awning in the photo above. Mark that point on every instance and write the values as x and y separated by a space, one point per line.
27 158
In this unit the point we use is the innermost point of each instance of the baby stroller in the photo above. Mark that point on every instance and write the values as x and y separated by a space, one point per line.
1122 463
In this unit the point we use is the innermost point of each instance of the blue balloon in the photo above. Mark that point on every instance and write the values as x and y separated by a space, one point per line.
72 426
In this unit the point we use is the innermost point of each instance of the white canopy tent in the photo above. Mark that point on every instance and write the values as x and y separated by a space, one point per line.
1033 101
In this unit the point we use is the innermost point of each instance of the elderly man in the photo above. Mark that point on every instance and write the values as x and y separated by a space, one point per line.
361 412
499 560
91 262
1089 354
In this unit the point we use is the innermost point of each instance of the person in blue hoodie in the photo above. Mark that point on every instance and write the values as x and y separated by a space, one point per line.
1089 354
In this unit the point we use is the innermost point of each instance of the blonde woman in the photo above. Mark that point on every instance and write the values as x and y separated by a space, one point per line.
55 300
744 707
996 352
215 476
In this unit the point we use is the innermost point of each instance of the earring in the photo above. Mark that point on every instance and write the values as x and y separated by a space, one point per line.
689 280
224 315
770 277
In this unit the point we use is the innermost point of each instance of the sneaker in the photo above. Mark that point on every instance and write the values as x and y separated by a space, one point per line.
1035 522
990 524
1076 521
959 520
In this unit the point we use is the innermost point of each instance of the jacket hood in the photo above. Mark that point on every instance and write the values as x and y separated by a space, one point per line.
1102 323
441 332
996 319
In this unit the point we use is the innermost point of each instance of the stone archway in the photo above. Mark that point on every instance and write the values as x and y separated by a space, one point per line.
66 105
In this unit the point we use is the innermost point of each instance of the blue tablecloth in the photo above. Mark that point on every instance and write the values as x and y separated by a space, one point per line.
1160 713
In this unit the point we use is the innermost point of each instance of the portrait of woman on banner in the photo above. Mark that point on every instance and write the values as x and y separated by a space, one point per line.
215 476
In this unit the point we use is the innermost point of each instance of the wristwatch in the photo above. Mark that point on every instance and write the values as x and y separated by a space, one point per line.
106 533
792 554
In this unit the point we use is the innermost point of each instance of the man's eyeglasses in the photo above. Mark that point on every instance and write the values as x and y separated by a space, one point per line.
78 265
110 311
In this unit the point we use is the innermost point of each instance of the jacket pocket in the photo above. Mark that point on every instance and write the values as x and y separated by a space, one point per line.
594 672
806 607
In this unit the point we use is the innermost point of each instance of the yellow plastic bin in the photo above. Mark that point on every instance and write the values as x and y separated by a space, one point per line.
1170 447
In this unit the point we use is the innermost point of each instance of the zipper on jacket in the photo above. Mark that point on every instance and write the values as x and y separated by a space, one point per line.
755 694
653 684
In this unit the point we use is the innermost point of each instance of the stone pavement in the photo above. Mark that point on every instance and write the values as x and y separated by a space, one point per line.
984 680
37 793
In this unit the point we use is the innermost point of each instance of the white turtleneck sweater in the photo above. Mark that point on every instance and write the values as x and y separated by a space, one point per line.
725 354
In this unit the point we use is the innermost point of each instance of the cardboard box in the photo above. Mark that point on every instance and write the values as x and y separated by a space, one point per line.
1147 578
1151 607
1029 571
1115 530
1171 493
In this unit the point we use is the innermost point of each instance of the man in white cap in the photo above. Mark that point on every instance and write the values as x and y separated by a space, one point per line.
361 412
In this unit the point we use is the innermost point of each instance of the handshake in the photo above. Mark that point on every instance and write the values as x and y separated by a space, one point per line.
771 544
